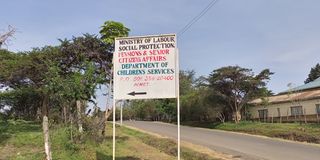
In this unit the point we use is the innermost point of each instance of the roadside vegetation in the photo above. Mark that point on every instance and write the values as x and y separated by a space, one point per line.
23 140
290 131
54 85
209 102
224 94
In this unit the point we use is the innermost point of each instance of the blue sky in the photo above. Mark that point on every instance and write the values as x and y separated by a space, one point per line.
282 35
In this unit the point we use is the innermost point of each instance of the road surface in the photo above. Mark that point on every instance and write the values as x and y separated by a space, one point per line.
246 147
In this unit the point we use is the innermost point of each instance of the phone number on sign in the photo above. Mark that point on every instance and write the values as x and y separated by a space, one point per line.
147 78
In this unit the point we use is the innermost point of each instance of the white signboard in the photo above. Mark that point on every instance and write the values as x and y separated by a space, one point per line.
145 67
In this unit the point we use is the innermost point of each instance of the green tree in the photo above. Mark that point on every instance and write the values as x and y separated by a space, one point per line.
53 72
237 86
198 103
49 77
23 102
314 73
111 30
189 97
28 70
86 62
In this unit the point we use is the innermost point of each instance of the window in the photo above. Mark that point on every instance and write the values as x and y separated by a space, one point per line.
317 108
263 113
296 111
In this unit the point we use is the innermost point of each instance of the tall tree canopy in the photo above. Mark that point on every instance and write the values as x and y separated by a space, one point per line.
314 74
111 30
237 86
53 77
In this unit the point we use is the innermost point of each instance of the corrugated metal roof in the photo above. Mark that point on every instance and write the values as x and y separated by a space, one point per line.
294 96
310 85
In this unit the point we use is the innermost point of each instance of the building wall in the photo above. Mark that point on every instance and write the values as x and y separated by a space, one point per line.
308 107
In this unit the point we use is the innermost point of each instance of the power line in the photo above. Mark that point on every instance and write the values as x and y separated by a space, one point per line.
196 18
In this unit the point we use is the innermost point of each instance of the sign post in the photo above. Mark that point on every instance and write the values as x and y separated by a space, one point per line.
121 108
146 67
178 99
114 130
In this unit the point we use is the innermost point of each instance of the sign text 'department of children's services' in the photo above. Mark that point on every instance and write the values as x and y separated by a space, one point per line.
145 67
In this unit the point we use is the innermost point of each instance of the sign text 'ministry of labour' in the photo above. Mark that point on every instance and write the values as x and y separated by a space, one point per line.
145 67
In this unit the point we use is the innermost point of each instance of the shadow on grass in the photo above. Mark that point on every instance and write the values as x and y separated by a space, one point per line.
314 125
118 138
102 156
20 126
210 125
8 128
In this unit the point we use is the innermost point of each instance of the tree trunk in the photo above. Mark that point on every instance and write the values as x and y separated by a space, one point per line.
65 114
79 116
39 113
45 128
106 116
107 113
71 127
237 116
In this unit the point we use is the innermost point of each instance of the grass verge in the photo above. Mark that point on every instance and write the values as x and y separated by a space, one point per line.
23 140
290 131
168 146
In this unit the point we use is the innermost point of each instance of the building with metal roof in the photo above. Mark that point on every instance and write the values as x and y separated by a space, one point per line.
301 103
311 85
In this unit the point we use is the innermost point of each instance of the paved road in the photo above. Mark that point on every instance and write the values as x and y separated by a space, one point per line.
245 146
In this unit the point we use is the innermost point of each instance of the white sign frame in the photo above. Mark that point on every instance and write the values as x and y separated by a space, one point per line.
153 89
144 67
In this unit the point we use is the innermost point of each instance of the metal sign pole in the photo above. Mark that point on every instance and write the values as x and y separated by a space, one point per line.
114 130
178 113
178 99
113 117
